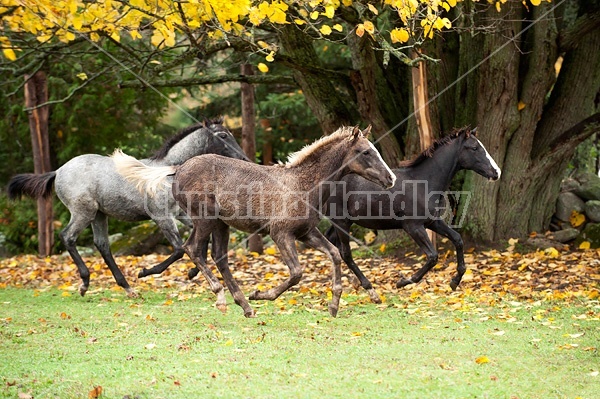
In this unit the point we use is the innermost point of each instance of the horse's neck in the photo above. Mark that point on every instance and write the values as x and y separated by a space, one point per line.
439 169
187 148
325 166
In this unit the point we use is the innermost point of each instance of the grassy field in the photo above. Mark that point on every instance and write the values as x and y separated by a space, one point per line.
174 345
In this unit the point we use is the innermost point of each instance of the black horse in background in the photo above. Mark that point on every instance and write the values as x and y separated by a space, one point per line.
413 204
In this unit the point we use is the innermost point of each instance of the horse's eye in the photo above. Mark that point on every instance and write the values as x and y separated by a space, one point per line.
474 148
366 152
223 135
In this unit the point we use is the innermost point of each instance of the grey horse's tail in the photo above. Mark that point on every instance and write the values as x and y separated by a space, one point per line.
147 179
31 184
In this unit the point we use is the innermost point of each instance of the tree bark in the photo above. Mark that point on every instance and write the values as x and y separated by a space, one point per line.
36 93
321 94
249 139
364 80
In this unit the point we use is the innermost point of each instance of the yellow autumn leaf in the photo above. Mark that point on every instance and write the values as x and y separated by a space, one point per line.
498 6
369 237
584 245
329 11
576 219
271 250
314 15
338 27
382 248
325 30
521 105
399 35
369 27
82 75
360 30
552 252
373 9
482 360
263 68
535 2
299 22
9 53
270 57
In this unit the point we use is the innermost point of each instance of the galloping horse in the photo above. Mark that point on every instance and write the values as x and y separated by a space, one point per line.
281 200
92 190
413 204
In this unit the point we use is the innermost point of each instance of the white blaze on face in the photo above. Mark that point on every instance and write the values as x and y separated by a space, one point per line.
386 165
489 157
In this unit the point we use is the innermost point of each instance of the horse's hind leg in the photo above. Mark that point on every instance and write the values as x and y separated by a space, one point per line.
220 242
317 241
195 247
100 229
169 229
419 234
440 227
69 236
287 247
343 244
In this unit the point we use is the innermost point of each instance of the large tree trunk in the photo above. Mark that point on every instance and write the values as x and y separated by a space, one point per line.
531 137
36 93
364 79
249 140
321 95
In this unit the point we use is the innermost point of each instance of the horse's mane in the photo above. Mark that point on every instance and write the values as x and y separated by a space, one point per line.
296 158
428 152
183 133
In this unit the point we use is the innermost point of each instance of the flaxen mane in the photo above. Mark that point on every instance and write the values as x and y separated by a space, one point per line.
164 150
298 157
428 153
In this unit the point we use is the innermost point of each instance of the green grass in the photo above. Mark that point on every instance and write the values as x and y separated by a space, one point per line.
54 346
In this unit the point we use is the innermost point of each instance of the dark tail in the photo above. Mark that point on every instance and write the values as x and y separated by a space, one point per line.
32 185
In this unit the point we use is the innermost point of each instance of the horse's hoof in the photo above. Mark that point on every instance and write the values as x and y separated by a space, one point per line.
375 298
143 273
250 313
82 289
454 285
333 310
132 294
403 283
193 273
255 295
222 308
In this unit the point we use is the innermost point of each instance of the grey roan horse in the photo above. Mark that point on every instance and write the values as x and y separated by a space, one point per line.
281 200
413 204
92 190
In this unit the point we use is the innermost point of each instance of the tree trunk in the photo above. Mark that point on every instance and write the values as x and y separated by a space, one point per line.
530 121
249 140
364 80
324 100
36 93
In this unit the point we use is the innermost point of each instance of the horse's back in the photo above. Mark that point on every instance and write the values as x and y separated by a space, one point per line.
90 182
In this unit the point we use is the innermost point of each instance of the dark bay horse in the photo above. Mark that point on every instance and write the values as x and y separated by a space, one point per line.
281 200
413 204
92 190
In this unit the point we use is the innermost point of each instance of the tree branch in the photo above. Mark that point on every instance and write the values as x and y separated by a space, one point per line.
574 135
211 79
584 25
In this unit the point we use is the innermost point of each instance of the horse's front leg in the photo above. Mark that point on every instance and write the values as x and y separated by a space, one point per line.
195 247
343 245
287 248
419 235
440 227
316 240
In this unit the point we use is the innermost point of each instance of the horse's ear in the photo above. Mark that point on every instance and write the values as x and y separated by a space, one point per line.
474 132
355 133
367 132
